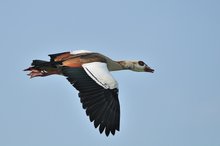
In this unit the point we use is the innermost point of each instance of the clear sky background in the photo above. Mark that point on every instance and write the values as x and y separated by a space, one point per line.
178 105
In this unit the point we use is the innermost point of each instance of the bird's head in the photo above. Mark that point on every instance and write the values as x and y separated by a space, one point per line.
140 66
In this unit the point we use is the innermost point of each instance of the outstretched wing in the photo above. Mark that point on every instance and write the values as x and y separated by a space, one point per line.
98 94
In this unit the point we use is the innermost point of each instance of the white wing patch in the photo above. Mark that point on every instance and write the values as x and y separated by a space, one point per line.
99 72
80 51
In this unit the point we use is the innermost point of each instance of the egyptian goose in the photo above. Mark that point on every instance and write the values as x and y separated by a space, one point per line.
89 73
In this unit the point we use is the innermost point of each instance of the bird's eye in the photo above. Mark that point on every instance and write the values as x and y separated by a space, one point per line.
141 63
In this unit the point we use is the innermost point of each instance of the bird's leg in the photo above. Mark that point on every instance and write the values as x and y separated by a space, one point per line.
40 72
36 72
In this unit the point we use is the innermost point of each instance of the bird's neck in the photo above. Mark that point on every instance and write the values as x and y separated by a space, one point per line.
121 65
118 65
126 64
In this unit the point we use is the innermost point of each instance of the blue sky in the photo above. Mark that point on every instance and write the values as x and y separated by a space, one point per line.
178 105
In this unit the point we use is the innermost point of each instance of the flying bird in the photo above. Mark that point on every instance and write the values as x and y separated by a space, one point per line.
89 73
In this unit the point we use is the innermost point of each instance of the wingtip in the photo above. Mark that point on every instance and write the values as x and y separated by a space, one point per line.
101 128
107 132
113 132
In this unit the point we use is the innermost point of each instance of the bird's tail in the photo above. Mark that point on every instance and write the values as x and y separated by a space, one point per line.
41 68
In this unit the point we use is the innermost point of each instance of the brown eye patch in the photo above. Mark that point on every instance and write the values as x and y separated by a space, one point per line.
141 63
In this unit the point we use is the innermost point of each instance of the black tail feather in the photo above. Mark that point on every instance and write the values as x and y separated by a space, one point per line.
40 63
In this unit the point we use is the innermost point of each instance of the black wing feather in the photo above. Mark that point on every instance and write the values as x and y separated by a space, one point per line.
101 105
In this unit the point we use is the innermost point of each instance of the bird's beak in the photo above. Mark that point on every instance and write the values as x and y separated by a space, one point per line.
148 69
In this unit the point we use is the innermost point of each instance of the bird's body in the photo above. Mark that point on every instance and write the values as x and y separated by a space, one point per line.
89 73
